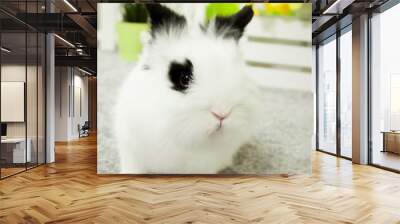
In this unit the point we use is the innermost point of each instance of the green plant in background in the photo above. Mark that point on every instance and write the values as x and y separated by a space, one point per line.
289 10
295 10
129 31
221 9
135 13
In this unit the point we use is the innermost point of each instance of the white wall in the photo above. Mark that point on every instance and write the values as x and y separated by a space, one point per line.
12 101
17 73
61 103
82 82
12 73
34 125
80 103
70 83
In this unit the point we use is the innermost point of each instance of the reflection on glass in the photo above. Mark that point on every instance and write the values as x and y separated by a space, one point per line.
346 94
22 91
13 84
31 101
394 101
327 97
386 89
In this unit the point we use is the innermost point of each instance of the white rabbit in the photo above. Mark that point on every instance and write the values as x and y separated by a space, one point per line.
187 106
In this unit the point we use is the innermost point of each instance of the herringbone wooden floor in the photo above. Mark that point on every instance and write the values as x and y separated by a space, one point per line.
70 191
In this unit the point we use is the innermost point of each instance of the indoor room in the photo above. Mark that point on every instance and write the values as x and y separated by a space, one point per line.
122 111
22 100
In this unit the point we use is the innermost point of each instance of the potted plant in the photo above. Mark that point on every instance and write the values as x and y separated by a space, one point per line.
129 31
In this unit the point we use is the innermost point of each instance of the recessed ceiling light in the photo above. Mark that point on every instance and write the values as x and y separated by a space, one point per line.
84 71
337 7
5 50
333 6
64 40
70 5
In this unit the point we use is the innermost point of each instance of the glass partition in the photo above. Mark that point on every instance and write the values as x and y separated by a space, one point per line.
13 94
22 101
31 100
32 104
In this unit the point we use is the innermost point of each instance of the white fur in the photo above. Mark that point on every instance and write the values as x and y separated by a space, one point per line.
160 130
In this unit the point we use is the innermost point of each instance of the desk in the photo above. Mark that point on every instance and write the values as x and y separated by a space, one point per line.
15 148
391 141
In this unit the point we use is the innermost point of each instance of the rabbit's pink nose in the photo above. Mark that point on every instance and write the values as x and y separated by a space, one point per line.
220 116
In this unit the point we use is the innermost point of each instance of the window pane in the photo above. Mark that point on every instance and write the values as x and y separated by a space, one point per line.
327 97
386 89
346 94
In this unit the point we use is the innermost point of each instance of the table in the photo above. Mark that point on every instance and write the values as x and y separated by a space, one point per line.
13 150
391 141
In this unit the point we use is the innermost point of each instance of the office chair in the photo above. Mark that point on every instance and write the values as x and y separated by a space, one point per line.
84 130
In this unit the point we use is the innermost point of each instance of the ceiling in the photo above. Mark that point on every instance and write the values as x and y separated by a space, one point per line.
74 21
332 15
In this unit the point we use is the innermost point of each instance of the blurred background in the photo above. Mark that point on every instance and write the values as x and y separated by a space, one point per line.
276 43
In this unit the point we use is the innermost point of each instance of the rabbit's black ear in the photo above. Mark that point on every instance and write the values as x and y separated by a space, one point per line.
233 26
163 19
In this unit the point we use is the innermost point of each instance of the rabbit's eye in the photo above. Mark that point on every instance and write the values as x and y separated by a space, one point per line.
181 75
185 79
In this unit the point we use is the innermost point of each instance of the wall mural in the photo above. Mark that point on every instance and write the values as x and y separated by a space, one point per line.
220 88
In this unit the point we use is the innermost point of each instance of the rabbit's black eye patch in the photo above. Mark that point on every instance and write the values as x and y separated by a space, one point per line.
180 75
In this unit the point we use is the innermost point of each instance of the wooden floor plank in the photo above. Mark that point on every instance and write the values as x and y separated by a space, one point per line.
70 191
